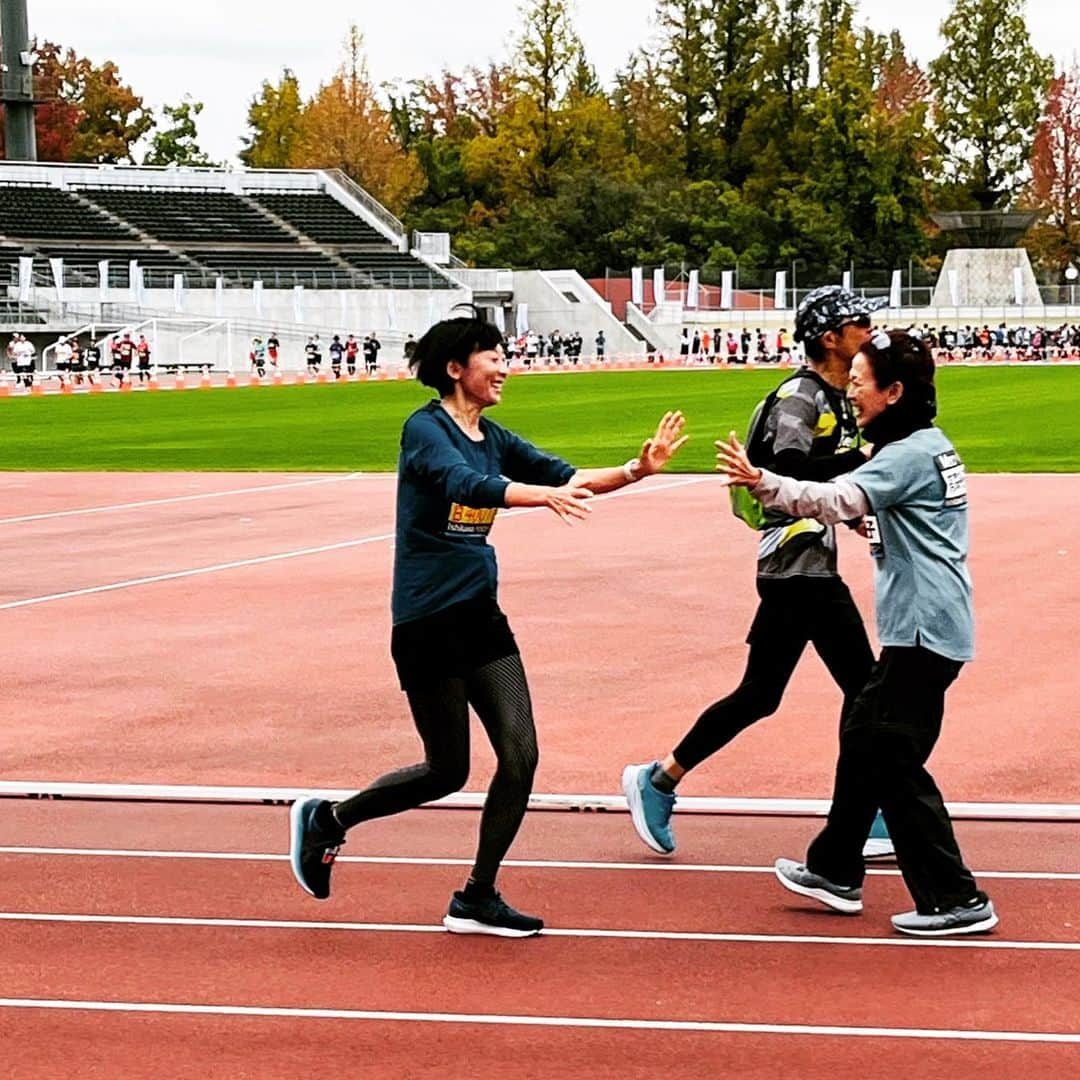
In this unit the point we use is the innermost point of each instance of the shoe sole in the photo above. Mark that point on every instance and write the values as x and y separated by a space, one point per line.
637 811
980 927
470 926
296 839
837 903
878 848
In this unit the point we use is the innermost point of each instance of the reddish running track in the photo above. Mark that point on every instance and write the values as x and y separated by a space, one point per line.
271 667
842 980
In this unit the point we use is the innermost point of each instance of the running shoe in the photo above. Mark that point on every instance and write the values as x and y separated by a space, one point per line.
977 916
315 838
798 879
650 808
488 915
879 844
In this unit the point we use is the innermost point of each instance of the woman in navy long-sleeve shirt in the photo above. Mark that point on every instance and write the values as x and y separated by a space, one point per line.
451 644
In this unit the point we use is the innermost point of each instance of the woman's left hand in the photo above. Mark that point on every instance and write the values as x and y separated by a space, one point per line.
664 445
732 461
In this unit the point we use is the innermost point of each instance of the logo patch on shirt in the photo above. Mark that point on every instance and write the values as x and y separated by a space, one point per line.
952 472
470 520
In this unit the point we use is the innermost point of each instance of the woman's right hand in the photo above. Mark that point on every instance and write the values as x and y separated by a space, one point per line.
570 502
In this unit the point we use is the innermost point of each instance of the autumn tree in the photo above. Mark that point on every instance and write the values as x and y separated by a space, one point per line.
344 126
84 112
989 86
274 124
1055 174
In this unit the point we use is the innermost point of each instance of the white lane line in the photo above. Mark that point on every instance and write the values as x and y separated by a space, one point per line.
114 507
994 944
511 1020
530 864
176 575
259 560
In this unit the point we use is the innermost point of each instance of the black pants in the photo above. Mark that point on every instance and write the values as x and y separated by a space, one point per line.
499 693
793 612
886 738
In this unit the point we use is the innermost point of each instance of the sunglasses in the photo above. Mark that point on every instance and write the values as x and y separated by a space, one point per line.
863 322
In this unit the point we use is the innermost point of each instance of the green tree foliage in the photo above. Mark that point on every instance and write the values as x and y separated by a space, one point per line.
688 79
989 85
274 123
547 54
735 49
178 144
868 160
648 127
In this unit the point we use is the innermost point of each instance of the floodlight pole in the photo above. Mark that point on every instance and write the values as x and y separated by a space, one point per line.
17 83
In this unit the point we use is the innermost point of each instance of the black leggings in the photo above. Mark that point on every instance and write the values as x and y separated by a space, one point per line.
793 613
499 693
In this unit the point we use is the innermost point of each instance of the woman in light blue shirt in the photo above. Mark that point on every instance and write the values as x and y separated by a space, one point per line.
912 497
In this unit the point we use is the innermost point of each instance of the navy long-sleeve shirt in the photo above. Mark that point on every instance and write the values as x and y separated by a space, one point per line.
449 490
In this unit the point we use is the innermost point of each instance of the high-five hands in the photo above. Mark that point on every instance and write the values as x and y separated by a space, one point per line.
664 445
569 502
734 464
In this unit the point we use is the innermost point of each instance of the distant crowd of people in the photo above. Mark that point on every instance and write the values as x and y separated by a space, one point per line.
534 347
120 356
347 353
703 346
1001 342
947 343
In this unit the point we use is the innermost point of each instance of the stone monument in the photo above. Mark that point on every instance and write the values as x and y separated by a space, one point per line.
989 270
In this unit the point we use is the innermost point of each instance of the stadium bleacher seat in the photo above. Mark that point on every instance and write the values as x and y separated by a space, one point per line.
45 213
321 217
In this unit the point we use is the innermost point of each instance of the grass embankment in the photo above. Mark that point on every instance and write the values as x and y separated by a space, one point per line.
1001 419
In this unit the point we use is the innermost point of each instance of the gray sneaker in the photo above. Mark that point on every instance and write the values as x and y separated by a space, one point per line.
975 917
798 879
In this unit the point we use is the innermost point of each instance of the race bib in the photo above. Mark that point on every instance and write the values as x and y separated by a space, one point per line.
952 472
873 536
470 520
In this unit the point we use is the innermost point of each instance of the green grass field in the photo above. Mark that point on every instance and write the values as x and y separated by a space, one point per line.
1001 419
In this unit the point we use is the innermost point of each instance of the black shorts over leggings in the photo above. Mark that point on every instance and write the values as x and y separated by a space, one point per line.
452 642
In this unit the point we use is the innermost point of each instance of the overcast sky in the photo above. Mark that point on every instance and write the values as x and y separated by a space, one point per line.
220 52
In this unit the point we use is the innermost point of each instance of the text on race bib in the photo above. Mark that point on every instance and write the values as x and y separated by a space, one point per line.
952 472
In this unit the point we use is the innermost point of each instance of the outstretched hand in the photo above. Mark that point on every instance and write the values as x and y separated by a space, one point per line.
664 445
734 464
569 502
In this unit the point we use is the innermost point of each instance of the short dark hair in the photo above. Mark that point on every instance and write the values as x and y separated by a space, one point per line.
455 338
814 349
908 361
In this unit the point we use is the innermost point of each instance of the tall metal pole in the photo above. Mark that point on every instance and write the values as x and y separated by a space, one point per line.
16 82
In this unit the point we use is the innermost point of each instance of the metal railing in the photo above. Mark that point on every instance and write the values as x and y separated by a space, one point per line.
373 206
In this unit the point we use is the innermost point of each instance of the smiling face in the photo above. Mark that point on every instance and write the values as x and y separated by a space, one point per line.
868 399
480 381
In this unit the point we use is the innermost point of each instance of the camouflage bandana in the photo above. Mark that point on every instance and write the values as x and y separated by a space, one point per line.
826 308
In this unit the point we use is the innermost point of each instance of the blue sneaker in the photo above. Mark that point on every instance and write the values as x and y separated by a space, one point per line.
879 844
650 809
